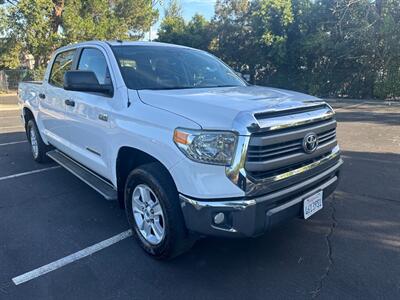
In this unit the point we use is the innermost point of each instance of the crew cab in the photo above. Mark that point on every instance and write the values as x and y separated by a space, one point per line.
185 145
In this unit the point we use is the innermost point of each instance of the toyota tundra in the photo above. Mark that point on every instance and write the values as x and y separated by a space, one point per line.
185 144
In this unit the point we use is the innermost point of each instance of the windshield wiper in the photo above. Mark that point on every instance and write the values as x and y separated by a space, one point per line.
188 87
228 85
170 88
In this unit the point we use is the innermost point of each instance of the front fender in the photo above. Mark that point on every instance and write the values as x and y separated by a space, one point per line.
150 130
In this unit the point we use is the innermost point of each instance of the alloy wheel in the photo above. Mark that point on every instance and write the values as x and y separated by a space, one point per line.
148 214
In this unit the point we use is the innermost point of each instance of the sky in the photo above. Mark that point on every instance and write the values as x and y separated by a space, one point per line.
189 8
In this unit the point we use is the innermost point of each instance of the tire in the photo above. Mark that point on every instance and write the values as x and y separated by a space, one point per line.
174 239
38 147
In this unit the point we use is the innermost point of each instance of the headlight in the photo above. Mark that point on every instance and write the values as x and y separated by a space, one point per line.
210 147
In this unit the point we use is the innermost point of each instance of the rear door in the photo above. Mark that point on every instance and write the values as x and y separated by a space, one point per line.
51 100
88 119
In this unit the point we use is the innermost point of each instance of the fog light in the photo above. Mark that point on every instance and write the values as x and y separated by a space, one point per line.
219 218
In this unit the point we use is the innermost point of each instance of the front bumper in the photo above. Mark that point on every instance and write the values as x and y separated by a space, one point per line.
247 217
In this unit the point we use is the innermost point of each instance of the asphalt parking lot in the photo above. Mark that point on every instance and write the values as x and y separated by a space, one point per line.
349 250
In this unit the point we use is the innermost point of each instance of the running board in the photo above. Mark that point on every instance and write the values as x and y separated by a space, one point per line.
91 179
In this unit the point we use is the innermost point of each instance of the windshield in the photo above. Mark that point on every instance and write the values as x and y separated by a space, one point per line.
163 67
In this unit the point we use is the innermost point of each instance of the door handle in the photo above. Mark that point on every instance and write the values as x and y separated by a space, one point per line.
69 102
103 117
42 96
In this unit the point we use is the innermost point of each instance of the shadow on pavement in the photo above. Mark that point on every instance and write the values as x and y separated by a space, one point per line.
385 118
10 137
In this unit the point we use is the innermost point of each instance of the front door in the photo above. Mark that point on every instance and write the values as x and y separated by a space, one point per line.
88 116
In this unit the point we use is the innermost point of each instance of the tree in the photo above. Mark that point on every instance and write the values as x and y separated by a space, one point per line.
198 33
346 48
97 19
173 10
251 35
173 25
40 26
234 40
30 23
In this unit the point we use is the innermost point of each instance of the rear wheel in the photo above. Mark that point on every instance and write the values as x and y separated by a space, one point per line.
38 147
153 211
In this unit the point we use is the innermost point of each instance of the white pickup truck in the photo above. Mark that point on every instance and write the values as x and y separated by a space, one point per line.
183 142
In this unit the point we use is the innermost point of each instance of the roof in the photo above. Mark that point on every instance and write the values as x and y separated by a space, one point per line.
121 43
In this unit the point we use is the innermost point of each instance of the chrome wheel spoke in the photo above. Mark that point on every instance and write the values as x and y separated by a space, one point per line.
157 229
145 195
157 211
138 210
147 229
148 214
138 207
140 223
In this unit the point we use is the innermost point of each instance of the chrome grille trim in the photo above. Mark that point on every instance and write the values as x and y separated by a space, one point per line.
334 154
275 142
263 153
238 175
318 113
279 151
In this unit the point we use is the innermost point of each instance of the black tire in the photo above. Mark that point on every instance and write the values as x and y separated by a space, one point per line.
176 239
39 155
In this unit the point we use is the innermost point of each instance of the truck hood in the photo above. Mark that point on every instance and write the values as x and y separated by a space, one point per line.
219 108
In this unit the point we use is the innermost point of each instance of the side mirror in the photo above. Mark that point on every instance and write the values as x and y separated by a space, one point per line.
85 81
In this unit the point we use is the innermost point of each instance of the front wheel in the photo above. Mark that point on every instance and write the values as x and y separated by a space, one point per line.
153 212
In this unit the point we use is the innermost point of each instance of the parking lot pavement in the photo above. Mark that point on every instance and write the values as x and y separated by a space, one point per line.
349 250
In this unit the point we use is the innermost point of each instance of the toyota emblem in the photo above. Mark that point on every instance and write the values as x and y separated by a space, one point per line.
310 142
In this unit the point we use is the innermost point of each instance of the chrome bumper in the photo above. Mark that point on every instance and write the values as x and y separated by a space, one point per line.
253 216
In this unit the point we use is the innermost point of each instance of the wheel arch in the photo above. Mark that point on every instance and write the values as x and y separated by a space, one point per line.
130 158
28 115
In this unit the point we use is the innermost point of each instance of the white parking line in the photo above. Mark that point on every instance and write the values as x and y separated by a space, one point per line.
71 258
13 143
9 107
28 173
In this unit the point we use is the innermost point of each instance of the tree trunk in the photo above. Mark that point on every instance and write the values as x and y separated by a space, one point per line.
37 62
58 9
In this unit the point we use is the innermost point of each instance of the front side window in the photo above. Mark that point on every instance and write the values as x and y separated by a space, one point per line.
149 67
62 63
93 60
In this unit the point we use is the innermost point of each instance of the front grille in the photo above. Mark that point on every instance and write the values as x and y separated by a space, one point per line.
275 152
262 153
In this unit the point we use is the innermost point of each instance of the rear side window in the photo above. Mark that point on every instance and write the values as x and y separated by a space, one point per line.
62 64
93 60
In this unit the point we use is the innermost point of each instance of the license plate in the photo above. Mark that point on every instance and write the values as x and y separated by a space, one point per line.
312 204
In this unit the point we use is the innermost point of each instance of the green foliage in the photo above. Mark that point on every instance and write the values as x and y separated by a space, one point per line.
35 74
346 48
38 27
30 26
173 29
9 54
329 48
97 19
